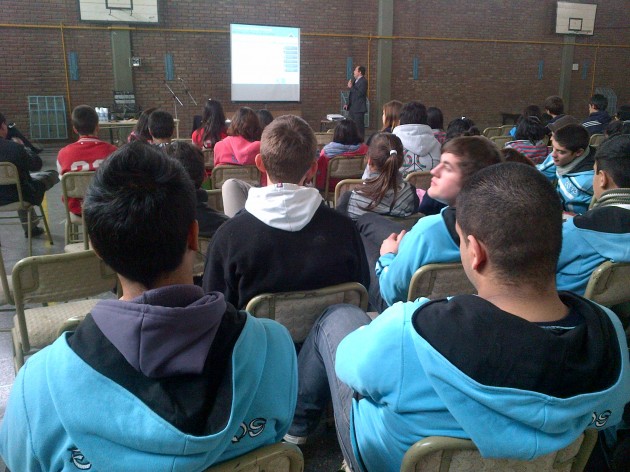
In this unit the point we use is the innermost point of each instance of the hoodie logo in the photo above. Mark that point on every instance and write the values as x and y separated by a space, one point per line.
600 420
253 429
78 459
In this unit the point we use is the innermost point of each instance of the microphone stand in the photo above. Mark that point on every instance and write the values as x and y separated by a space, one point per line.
176 99
187 91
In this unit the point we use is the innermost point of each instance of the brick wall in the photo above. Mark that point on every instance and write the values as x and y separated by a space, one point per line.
472 78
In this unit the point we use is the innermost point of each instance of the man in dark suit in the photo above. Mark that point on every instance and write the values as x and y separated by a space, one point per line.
357 101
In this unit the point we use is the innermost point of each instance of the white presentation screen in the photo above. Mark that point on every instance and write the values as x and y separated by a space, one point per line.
265 63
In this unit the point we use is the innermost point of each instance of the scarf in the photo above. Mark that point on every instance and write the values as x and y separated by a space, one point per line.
563 170
617 197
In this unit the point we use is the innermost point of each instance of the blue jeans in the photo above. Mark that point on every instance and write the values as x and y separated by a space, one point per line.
317 381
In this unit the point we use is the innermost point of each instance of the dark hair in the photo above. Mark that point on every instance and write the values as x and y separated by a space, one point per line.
623 112
474 153
212 123
161 124
288 148
347 132
189 156
613 156
386 156
599 102
435 119
613 128
391 110
361 69
461 127
3 120
413 113
512 155
265 117
531 110
84 120
245 123
141 130
530 129
515 212
573 137
138 210
554 104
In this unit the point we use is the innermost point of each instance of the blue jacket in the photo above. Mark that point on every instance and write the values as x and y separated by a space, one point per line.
432 240
588 240
411 390
64 415
597 122
575 188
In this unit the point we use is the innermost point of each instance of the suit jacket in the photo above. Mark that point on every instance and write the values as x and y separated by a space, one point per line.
357 101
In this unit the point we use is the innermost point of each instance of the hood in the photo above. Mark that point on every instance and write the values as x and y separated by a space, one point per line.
505 421
142 329
288 207
606 230
600 115
417 139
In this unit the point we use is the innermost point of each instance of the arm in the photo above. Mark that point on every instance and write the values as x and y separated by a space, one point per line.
548 168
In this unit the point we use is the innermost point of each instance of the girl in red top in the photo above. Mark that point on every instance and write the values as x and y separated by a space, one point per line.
212 129
346 142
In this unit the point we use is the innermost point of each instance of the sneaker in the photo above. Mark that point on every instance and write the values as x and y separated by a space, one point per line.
297 440
35 231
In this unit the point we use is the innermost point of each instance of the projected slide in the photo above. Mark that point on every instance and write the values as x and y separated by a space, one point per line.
265 63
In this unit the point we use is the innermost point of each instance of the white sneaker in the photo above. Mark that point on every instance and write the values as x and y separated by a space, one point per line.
297 440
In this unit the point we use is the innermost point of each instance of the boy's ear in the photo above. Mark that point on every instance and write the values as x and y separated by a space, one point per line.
193 236
478 253
605 182
260 164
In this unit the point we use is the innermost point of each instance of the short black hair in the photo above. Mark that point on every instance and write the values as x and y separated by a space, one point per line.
461 126
623 112
413 113
530 129
599 101
189 156
347 132
554 104
84 120
573 137
515 212
138 210
361 69
613 156
161 124
435 118
264 117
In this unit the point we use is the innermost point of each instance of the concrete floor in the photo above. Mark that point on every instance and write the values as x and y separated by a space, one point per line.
321 453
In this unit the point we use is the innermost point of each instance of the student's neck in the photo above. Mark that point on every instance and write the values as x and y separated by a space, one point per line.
530 303
132 289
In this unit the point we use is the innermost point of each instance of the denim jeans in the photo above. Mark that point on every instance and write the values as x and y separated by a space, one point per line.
317 381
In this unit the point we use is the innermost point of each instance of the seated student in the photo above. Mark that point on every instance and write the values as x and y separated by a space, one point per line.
422 150
286 238
212 129
598 117
571 164
623 113
390 118
529 139
529 110
87 153
168 376
435 120
385 192
616 127
554 107
161 128
34 186
520 368
264 117
191 158
140 132
432 239
602 233
346 142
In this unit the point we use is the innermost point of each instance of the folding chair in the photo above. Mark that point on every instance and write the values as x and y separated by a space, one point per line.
492 131
419 179
9 176
500 141
435 281
442 454
222 172
6 296
609 284
208 159
74 185
596 139
200 259
298 310
215 200
54 279
344 186
343 167
505 130
323 139
281 457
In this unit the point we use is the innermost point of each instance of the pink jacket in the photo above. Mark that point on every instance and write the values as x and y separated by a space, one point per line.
236 150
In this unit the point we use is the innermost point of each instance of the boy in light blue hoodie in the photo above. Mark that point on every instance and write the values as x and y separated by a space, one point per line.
520 368
168 378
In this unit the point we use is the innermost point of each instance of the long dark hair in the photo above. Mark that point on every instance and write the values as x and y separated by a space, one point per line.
141 130
386 156
212 122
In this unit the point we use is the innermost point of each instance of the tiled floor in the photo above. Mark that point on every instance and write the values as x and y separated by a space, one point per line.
322 451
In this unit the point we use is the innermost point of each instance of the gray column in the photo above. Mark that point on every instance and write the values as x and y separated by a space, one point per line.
566 69
121 55
383 61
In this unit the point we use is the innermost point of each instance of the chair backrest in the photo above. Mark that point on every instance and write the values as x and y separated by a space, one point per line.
298 310
6 297
323 139
419 179
505 129
596 139
346 185
439 453
500 141
9 175
492 131
208 158
200 258
215 200
58 278
281 457
438 281
74 185
344 167
223 172
609 284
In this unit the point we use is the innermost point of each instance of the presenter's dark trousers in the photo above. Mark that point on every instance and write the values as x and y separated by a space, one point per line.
359 119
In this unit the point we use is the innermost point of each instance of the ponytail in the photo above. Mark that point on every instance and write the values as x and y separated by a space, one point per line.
385 155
